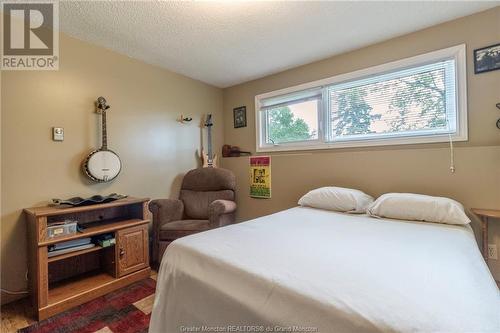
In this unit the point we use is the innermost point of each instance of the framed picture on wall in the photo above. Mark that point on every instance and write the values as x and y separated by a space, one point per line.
240 116
487 59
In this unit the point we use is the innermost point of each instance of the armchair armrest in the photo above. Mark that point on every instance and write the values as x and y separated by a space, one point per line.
166 210
218 208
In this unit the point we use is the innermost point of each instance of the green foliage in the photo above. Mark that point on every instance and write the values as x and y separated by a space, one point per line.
416 102
284 127
421 92
354 113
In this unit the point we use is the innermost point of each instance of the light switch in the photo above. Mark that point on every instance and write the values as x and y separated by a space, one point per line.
57 133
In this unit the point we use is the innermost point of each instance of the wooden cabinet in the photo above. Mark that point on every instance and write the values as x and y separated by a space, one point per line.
132 249
63 281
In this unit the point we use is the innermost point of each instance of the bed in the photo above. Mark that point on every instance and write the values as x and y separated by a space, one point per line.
312 270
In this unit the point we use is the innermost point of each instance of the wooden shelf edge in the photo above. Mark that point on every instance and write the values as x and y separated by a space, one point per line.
74 253
56 210
89 294
110 227
494 213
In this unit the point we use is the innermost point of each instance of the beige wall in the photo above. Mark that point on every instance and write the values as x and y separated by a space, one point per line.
415 168
145 102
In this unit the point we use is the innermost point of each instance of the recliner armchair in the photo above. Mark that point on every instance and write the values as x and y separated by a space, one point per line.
206 201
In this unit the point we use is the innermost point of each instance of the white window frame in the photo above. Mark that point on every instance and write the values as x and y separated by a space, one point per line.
303 143
457 53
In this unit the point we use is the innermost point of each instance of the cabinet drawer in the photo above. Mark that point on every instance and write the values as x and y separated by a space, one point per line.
132 249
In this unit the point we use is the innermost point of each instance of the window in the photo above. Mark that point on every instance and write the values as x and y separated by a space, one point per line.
415 100
292 118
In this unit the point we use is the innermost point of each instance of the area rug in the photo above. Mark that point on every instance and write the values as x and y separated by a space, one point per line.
126 310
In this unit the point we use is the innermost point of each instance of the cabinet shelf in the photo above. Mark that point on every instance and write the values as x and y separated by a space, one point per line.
74 253
86 287
100 227
74 286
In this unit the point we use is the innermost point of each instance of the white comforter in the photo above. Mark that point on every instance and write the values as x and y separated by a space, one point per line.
326 272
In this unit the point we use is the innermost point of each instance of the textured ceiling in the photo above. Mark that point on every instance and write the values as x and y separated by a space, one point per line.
226 43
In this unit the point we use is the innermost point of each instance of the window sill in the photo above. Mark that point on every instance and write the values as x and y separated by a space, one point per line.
364 143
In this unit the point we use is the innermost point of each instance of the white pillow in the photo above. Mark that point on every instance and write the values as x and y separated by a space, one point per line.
338 199
418 207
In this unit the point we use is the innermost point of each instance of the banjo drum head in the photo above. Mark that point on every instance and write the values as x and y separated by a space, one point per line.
103 165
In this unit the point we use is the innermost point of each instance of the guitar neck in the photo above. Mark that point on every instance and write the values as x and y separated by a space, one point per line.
209 143
104 131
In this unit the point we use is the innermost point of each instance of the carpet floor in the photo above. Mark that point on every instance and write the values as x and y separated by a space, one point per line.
126 310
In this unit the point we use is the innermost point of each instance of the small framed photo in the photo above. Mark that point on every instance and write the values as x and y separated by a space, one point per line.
240 116
487 59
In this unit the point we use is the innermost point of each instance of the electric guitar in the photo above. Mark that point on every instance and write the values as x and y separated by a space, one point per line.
209 160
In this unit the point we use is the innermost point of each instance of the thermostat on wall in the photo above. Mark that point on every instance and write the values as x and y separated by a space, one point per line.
57 133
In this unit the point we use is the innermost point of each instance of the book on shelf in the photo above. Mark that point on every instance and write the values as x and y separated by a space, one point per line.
70 244
70 249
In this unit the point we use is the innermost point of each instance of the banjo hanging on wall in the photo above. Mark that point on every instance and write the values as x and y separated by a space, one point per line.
102 165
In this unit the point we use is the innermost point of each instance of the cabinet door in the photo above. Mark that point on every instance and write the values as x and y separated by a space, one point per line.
132 249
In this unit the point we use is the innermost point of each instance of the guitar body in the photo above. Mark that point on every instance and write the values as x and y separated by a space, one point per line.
206 162
102 165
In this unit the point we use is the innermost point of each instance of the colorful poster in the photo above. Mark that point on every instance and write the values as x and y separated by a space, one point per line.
260 177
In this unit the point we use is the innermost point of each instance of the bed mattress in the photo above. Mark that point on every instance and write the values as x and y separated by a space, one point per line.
311 270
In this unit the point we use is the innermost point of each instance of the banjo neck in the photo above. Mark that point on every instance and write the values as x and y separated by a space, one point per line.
104 132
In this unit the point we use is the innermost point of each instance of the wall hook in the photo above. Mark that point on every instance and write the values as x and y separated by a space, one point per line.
183 119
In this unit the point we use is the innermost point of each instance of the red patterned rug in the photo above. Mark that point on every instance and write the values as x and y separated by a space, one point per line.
126 310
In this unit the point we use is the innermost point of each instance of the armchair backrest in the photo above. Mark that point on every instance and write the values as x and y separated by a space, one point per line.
202 186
